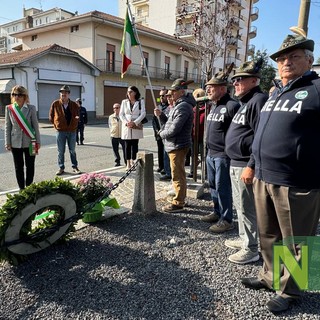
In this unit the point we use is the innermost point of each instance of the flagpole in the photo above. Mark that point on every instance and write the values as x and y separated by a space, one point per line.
141 53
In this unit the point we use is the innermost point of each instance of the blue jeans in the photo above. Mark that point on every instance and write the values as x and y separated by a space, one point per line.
64 137
218 170
166 164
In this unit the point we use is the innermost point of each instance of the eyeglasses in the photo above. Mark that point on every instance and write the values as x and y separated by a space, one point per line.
238 79
130 92
162 95
116 108
291 57
18 95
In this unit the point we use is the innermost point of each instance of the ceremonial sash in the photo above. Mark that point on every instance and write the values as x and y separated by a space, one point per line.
25 126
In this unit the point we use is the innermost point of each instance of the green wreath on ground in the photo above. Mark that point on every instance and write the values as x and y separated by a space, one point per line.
40 207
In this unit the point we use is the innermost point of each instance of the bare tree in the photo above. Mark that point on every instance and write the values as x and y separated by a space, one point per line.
208 26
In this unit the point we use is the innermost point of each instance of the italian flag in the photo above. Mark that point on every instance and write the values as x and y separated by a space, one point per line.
128 40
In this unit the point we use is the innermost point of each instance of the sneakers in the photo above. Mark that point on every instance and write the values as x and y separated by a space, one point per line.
244 256
234 244
221 226
171 193
76 170
212 217
60 172
172 208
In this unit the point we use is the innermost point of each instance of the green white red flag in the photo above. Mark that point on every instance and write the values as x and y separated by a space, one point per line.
128 41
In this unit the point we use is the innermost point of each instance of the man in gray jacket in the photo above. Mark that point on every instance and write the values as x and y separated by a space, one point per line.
177 140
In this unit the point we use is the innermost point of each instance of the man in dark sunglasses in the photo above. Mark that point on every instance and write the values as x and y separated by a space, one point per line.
238 147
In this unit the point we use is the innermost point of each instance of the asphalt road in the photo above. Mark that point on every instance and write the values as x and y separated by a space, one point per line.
95 155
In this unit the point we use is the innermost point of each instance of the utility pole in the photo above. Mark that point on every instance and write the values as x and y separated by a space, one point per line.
304 15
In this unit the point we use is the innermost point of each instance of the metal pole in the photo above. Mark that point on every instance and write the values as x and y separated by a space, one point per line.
141 53
304 15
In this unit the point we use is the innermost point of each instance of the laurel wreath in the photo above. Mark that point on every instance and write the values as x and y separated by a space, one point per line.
17 202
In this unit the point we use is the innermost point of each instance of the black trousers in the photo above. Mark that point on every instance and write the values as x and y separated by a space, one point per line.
22 157
80 132
160 154
131 147
115 147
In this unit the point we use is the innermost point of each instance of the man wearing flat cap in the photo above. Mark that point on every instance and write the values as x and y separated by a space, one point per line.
222 111
64 115
177 140
238 147
287 173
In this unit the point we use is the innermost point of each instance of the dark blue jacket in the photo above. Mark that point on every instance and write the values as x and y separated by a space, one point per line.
218 122
242 128
177 130
83 117
286 147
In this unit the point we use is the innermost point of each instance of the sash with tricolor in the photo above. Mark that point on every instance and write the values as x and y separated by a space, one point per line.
25 126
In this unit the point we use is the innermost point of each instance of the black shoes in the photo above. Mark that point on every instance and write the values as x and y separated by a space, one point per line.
280 304
159 170
254 283
165 178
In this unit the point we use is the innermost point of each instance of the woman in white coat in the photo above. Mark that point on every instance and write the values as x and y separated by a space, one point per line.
132 112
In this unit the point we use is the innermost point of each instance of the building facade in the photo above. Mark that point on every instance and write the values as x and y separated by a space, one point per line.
43 71
31 17
97 37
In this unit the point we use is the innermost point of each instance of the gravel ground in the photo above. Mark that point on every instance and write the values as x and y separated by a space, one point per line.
161 266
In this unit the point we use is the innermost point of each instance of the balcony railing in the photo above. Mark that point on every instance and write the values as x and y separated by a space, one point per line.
251 50
254 13
186 10
138 70
234 22
253 32
232 42
235 3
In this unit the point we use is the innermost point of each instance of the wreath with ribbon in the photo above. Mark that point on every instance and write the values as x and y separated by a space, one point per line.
44 206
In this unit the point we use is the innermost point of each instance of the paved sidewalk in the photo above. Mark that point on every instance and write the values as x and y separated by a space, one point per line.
125 191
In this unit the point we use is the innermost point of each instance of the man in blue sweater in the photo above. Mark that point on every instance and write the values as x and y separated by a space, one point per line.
286 150
238 147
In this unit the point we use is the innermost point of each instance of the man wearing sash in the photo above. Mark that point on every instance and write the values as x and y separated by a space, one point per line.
22 135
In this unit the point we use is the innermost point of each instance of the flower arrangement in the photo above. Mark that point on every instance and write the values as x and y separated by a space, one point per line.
94 185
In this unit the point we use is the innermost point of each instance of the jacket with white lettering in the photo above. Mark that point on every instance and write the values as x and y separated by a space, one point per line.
242 128
286 147
218 122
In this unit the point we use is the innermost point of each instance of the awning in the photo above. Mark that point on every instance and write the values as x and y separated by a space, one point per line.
7 85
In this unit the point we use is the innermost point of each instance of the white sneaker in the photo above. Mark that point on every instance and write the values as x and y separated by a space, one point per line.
171 193
234 244
244 256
